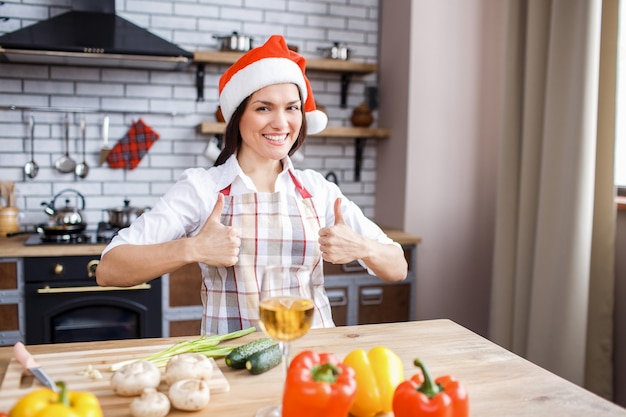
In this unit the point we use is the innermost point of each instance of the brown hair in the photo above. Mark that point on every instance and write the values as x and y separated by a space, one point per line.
232 136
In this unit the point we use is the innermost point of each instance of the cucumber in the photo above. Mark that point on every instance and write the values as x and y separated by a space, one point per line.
238 356
264 360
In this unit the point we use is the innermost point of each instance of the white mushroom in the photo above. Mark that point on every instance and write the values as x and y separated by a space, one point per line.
188 366
189 394
151 403
131 379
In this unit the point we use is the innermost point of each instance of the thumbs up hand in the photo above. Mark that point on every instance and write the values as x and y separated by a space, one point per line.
338 214
339 243
217 245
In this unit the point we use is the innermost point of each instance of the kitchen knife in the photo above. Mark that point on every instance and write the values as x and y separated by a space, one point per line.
28 362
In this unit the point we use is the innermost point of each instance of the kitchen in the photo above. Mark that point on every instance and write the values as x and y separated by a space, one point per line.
163 92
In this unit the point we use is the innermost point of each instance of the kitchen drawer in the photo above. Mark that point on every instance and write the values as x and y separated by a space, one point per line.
8 276
9 317
11 301
338 297
185 328
384 303
56 268
185 284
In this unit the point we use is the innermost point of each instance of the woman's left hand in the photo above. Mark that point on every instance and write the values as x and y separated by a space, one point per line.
339 243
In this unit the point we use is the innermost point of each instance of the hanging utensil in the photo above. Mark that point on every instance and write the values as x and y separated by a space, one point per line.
65 163
31 168
105 150
332 177
82 169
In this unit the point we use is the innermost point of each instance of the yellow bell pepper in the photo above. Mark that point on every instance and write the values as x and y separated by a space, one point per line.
46 403
378 373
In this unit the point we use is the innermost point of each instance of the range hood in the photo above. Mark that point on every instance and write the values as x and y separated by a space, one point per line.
91 34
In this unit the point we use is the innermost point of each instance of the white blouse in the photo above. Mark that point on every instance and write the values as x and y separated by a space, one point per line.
184 208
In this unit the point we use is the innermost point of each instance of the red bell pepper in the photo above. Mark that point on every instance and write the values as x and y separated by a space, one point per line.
421 396
318 385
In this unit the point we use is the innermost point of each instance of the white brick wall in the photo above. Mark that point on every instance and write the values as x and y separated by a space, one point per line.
190 24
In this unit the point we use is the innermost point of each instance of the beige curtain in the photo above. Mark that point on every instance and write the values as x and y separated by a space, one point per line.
554 258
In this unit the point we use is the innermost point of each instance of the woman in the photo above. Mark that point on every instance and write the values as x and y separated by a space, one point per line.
253 209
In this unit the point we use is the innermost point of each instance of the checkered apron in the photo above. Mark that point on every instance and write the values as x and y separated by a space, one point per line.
276 229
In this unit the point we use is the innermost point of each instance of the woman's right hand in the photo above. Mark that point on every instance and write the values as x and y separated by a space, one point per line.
216 244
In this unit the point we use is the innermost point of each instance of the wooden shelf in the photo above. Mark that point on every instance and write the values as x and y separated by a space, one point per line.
359 134
346 68
216 128
333 65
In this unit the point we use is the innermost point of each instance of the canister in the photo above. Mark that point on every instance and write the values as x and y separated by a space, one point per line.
9 222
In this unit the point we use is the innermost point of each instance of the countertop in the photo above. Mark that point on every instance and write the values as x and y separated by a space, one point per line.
13 247
499 382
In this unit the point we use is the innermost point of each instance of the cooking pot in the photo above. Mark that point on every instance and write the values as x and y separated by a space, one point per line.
234 42
124 216
64 220
337 51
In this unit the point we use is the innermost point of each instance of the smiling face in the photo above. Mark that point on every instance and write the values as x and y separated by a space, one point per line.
270 124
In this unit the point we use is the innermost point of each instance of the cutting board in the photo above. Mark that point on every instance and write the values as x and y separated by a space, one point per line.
67 367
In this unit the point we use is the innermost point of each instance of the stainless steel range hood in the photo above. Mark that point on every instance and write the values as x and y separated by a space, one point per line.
91 34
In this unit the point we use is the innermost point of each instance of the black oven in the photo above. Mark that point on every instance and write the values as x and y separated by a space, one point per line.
63 303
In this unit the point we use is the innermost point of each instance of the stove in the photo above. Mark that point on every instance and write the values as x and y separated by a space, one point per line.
103 234
64 303
82 238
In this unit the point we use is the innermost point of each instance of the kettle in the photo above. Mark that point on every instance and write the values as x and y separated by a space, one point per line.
65 216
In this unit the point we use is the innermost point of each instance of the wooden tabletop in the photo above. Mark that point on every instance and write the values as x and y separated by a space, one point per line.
499 382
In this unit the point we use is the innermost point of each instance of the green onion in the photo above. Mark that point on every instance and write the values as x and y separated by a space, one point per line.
206 345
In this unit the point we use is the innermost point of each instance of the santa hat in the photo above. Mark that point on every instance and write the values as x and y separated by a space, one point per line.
271 63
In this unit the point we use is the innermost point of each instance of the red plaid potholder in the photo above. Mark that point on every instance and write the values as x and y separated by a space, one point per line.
129 150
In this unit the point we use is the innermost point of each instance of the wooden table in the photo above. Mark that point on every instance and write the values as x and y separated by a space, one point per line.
499 382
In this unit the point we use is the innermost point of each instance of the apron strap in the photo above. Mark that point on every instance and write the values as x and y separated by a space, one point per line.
304 193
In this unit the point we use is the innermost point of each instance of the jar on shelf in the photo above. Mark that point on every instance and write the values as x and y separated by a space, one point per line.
9 220
362 116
